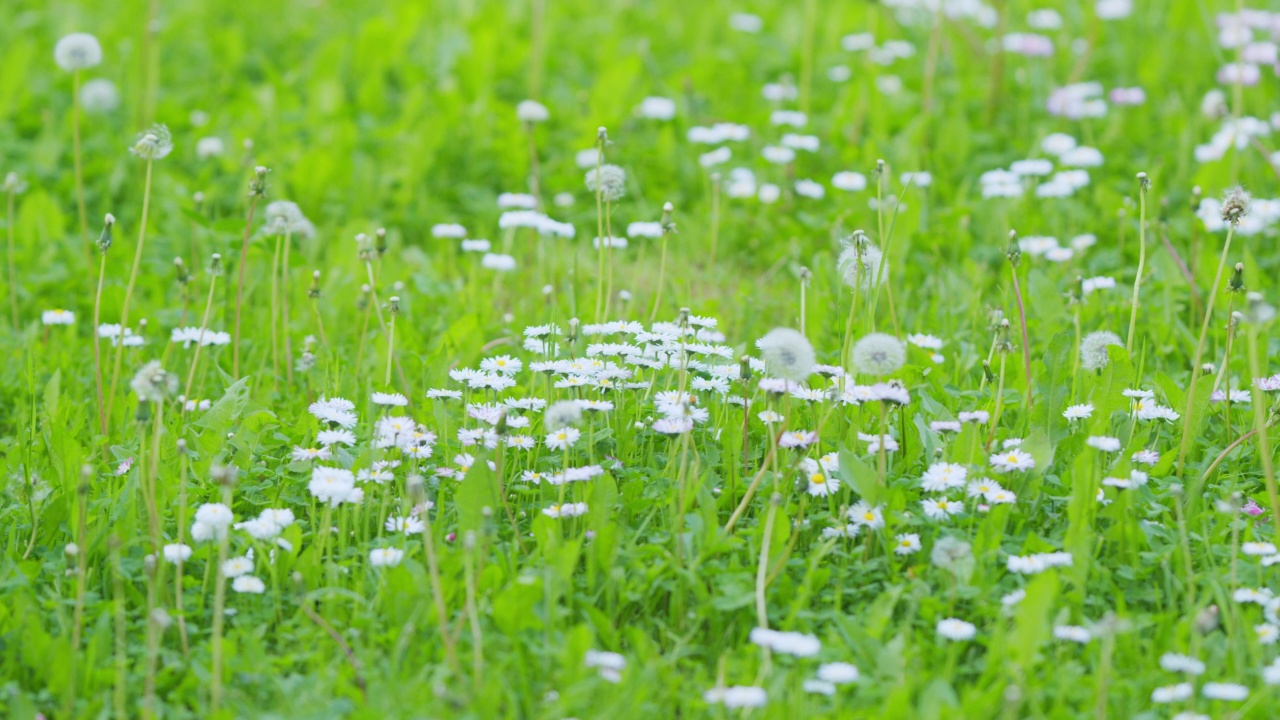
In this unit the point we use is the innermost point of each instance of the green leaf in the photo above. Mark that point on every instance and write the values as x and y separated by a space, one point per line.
477 491
1031 622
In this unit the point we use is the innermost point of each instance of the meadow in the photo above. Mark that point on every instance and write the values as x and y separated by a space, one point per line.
559 359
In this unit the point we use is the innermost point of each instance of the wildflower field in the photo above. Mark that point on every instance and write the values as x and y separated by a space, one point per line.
557 359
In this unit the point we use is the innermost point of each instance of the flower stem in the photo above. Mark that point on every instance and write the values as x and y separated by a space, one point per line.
244 256
1142 261
1195 361
1260 425
128 292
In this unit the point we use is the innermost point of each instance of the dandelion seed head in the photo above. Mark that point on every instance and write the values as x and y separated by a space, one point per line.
878 354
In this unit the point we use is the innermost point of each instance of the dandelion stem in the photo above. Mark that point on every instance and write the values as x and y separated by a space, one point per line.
118 695
275 313
1026 343
437 593
13 265
1142 262
97 349
1195 361
128 291
219 602
78 162
762 567
244 257
204 325
473 615
285 286
1260 425
600 240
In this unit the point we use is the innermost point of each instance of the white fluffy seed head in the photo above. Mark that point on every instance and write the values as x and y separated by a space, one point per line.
561 415
609 180
861 267
1093 349
878 354
787 354
77 51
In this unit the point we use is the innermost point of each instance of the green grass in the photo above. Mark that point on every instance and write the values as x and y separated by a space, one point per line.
401 115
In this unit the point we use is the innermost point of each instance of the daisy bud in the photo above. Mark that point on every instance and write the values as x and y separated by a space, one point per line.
104 240
744 368
805 274
381 245
258 185
314 291
668 227
183 276
500 427
215 264
1144 182
602 136
198 199
393 303
1195 198
683 320
624 296
71 549
879 171
469 540
1235 206
986 371
1236 283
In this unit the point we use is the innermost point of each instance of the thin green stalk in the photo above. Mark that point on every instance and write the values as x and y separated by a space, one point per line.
97 349
244 258
78 162
128 292
1143 183
1260 425
219 603
1184 444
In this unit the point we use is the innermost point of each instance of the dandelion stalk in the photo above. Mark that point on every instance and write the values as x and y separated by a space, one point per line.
183 461
394 303
600 239
762 567
285 286
219 604
1258 314
118 694
1014 255
275 312
257 189
11 186
78 162
473 614
804 284
1144 184
668 228
215 269
104 244
715 218
1234 208
152 145
416 496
